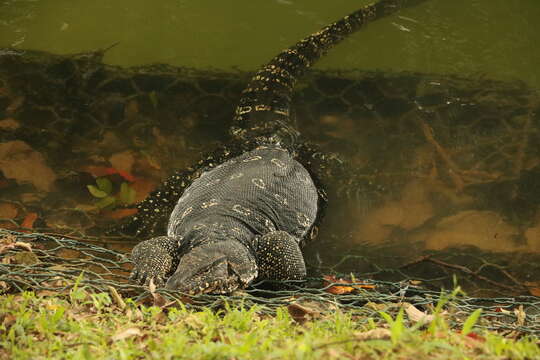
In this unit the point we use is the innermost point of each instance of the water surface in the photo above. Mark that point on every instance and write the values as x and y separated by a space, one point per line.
493 37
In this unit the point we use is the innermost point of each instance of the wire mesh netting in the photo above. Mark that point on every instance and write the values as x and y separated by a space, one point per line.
459 159
52 265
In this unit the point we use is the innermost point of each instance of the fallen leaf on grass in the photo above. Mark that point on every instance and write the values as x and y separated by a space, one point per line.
160 318
343 289
416 315
126 333
117 298
159 300
45 293
194 322
374 334
9 320
300 313
475 336
4 286
473 340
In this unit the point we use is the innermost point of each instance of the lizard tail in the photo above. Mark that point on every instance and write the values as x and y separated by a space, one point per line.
264 109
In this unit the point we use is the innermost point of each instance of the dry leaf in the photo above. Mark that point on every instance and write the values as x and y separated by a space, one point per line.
142 188
416 315
4 286
337 289
152 286
8 225
123 161
3 183
300 313
19 244
343 289
194 322
69 254
374 334
520 315
131 110
20 162
472 340
9 124
475 336
29 220
15 104
8 239
159 300
23 245
533 287
99 171
160 318
26 258
126 333
44 293
378 306
9 320
117 298
119 213
8 210
134 315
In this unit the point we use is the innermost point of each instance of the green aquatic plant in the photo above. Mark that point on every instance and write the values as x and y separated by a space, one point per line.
103 190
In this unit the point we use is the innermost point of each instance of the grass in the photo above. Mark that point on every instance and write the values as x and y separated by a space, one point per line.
89 325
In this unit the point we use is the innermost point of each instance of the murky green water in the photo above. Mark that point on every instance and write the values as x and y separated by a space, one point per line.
493 37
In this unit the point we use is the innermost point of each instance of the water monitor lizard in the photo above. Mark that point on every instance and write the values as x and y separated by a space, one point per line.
241 218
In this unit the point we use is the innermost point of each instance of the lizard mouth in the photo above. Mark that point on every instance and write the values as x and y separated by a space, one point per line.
216 278
222 286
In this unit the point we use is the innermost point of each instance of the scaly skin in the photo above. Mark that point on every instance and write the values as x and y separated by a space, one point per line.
250 227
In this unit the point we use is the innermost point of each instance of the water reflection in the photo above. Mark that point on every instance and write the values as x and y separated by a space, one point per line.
495 37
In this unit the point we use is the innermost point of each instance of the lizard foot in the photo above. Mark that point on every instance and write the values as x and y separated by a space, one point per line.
154 259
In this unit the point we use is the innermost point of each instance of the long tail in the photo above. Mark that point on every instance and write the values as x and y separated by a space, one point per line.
263 111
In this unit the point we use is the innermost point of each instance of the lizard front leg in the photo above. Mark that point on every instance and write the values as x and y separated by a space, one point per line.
155 259
279 257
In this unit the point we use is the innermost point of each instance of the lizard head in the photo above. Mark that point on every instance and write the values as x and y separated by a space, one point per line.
214 267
